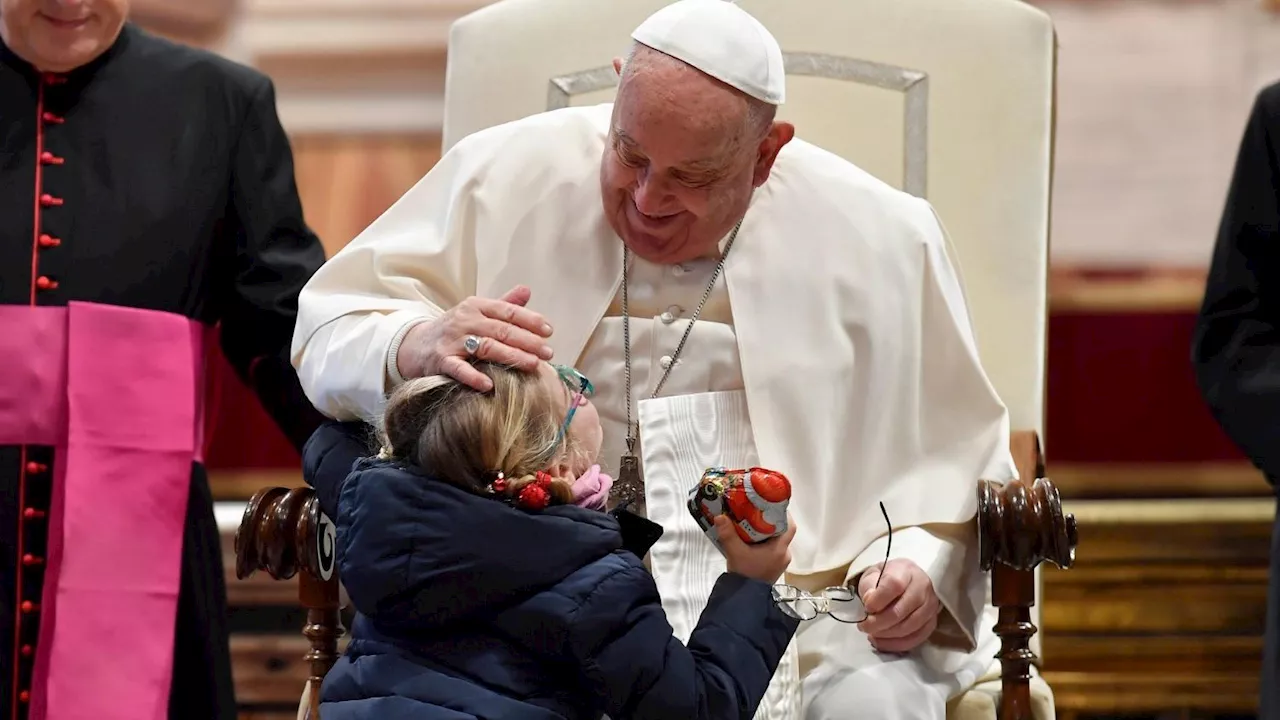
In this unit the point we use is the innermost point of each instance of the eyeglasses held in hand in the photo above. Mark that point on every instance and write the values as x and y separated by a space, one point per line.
841 602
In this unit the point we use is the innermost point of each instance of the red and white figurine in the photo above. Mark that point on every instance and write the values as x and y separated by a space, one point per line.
755 499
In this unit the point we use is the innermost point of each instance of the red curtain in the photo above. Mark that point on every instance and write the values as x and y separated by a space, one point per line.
240 434
1121 390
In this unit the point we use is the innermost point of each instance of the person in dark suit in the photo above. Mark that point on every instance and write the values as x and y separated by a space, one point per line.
150 187
1236 347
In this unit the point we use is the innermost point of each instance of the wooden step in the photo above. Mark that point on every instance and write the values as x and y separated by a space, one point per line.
1105 695
1164 610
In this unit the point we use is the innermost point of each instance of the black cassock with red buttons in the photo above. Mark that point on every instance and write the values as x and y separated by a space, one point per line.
156 177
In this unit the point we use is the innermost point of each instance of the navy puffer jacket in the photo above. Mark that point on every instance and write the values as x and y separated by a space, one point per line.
468 608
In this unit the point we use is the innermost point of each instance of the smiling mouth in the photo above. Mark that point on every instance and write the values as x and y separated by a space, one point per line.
655 227
653 216
653 221
64 24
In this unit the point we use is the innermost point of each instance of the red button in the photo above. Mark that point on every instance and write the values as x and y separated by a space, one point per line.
24 696
32 514
29 607
45 283
30 560
49 241
48 200
35 467
51 119
49 158
27 650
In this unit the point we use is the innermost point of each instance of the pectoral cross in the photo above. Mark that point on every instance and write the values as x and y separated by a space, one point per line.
629 486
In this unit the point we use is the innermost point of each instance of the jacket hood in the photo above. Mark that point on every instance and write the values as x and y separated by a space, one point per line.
330 454
416 553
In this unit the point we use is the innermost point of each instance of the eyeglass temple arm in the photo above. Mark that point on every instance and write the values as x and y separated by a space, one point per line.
574 400
888 545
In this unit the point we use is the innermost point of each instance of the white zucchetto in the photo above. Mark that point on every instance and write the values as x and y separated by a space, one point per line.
722 40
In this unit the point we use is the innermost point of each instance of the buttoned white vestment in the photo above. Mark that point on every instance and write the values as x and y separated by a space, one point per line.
858 366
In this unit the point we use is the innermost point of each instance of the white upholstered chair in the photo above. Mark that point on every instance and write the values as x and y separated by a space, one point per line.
950 100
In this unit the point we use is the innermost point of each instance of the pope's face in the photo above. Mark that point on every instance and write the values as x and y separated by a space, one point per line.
61 35
681 162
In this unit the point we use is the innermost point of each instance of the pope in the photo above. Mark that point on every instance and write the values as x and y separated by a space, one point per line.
739 297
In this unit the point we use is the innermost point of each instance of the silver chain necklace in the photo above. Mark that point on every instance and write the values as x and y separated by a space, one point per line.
630 487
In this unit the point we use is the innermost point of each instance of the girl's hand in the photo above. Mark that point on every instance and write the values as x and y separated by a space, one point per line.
765 561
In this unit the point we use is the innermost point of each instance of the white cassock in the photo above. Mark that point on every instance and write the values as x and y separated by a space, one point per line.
837 350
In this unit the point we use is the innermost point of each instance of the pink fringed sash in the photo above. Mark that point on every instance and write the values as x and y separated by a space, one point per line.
119 393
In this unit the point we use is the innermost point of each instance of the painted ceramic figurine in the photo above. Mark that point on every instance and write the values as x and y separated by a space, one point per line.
755 499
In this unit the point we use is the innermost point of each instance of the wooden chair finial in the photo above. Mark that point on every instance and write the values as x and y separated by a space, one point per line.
1020 525
284 532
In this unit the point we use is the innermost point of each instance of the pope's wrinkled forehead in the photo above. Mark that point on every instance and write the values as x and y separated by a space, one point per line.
686 124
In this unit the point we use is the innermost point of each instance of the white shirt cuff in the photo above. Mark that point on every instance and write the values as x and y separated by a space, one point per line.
394 379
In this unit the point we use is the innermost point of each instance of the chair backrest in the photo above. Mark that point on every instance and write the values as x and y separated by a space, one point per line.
951 100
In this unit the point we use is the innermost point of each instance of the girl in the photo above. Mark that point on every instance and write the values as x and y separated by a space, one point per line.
483 591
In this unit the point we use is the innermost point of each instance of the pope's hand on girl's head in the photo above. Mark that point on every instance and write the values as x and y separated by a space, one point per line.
509 333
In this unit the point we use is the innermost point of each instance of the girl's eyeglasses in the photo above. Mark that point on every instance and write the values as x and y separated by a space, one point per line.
574 380
579 387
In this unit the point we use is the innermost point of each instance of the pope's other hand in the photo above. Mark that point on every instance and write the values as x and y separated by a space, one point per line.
903 608
509 333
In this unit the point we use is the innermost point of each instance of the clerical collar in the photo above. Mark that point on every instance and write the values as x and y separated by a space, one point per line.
11 58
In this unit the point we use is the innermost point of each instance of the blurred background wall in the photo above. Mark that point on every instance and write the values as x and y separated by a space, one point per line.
1152 99
1163 613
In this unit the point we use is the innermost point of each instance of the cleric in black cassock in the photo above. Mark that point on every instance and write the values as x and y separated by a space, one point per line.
138 173
1236 350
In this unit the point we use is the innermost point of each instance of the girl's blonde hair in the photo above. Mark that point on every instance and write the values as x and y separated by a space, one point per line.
465 437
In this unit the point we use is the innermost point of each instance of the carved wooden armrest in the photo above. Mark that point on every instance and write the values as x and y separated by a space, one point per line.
284 532
1020 525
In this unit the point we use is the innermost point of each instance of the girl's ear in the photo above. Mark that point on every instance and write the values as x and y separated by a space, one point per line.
562 471
562 480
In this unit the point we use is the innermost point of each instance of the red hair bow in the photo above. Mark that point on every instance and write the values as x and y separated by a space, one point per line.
537 494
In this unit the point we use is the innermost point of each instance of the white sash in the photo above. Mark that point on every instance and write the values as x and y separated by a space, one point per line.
680 437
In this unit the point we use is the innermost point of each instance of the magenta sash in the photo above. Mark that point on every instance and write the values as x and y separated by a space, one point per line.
118 392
